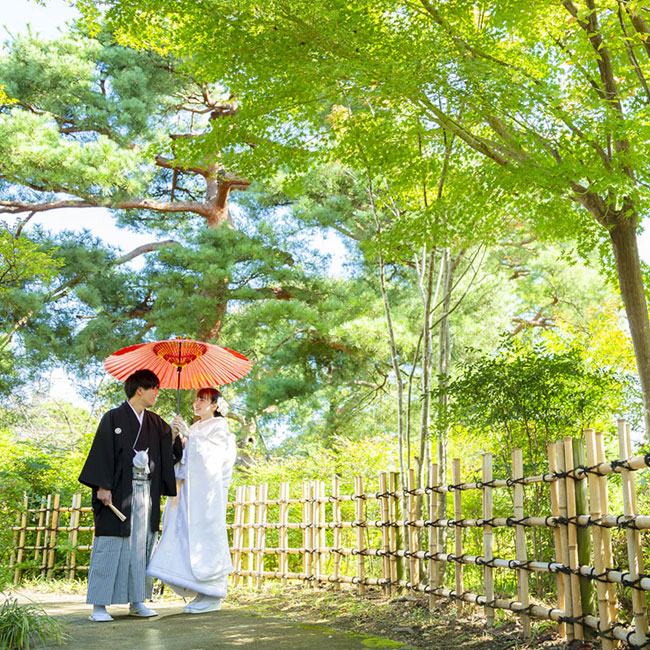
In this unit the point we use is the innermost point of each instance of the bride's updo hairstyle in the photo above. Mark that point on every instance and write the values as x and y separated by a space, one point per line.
216 398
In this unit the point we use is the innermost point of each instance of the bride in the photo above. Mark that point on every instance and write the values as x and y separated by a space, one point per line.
192 556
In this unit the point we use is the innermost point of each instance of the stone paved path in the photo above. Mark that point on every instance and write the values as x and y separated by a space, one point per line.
229 628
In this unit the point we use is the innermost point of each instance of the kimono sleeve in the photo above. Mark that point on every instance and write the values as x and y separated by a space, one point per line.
99 468
168 456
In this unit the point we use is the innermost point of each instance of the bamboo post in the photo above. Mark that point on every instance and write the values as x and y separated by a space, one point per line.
458 531
359 506
75 513
315 531
520 535
434 565
564 537
21 540
42 509
46 533
53 534
260 537
635 508
607 535
336 537
634 549
251 494
385 535
14 540
555 509
283 531
488 536
237 535
584 535
412 531
394 512
576 608
597 531
306 530
322 536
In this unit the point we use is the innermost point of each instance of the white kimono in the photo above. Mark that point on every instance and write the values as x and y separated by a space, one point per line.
193 555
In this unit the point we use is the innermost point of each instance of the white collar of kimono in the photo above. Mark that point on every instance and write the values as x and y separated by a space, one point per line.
140 417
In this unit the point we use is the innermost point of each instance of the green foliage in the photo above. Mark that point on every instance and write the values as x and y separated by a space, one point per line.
22 625
302 461
528 394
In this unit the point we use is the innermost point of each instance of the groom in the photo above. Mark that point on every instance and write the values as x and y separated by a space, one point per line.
129 466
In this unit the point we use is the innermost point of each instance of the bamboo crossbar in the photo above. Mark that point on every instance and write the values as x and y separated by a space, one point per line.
636 522
391 538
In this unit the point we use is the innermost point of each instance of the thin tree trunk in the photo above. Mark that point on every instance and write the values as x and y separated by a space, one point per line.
427 293
393 355
443 372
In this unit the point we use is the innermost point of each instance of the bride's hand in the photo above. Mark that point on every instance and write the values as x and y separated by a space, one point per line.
179 426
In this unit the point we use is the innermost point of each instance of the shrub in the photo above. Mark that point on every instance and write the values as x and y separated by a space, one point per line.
22 624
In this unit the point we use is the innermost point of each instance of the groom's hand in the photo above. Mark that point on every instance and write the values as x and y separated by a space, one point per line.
105 496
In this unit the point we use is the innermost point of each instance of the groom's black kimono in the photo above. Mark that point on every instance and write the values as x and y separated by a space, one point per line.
110 465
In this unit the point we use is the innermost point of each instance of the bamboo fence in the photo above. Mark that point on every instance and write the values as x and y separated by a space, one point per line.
388 538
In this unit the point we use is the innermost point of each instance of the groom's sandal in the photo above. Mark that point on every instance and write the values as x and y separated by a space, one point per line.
141 611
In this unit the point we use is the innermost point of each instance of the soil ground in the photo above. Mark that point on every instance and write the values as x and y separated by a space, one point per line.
294 618
231 628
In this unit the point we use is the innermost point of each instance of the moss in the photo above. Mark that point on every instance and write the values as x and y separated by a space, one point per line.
376 642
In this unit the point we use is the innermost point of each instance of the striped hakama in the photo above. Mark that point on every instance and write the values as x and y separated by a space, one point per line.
118 565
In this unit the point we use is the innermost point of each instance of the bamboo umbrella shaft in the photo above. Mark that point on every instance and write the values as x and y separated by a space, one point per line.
599 558
572 534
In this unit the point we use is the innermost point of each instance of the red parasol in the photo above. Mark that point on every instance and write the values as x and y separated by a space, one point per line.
180 363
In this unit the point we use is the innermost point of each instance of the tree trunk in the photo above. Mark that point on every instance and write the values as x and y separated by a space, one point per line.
630 278
427 295
444 358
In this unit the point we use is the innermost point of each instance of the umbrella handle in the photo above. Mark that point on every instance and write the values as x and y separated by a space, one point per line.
178 391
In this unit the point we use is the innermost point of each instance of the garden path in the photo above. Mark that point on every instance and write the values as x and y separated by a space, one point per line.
230 628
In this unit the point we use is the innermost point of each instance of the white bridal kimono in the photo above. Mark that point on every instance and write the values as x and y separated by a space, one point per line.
192 555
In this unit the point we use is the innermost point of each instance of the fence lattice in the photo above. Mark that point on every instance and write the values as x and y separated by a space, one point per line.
394 539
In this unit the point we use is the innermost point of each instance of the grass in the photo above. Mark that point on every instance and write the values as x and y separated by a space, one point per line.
21 625
42 585
406 618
